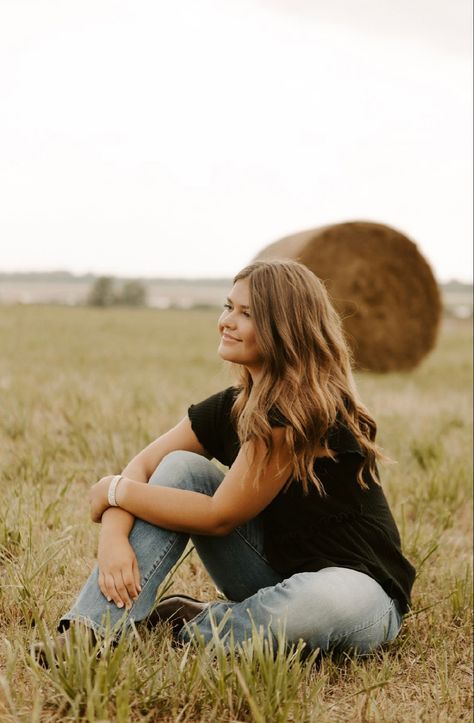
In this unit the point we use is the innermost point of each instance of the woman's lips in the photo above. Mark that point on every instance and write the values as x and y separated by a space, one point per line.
228 337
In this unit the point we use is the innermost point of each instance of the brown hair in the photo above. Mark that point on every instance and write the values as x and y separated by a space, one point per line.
307 373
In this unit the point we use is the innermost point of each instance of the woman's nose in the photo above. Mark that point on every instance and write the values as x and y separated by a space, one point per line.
229 320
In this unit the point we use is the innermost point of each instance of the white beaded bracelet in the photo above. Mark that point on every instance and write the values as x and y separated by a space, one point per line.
111 495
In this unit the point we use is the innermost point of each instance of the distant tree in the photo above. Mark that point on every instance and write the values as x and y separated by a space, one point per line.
133 293
102 292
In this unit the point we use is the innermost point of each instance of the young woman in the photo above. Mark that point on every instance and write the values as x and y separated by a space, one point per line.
297 534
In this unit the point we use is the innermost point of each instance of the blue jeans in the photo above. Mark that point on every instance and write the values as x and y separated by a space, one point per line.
332 609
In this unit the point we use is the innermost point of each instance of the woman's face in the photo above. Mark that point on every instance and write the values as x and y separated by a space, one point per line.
238 342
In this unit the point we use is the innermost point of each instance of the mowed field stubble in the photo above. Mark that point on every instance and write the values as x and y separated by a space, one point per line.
82 391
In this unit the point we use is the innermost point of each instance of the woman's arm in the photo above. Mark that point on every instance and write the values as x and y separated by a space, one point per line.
119 576
118 521
236 500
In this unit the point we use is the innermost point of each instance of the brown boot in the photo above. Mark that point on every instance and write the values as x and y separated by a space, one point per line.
56 647
177 610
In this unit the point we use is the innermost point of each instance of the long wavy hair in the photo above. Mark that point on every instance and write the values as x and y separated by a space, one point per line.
307 372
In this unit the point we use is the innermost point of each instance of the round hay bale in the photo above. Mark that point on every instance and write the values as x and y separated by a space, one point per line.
381 285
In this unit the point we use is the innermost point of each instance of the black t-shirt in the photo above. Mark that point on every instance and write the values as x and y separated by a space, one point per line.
347 527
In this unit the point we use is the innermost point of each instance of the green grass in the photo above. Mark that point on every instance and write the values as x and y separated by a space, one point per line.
81 391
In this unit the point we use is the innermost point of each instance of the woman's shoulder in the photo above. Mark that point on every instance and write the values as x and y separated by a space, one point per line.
228 396
339 437
217 403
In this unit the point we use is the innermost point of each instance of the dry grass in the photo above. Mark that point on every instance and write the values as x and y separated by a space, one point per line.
82 390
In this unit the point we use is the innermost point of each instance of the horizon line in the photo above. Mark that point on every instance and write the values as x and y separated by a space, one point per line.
138 277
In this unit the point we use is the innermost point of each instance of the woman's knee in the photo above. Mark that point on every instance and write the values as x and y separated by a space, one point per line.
334 608
187 470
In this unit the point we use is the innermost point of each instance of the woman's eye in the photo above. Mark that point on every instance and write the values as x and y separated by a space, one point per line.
229 307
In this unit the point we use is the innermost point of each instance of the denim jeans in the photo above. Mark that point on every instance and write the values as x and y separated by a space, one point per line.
332 609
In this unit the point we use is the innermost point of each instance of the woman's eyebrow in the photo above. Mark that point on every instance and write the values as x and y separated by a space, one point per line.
242 306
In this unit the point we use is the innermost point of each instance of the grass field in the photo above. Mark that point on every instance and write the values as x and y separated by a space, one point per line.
81 391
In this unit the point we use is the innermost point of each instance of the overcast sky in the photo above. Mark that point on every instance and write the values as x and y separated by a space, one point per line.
159 138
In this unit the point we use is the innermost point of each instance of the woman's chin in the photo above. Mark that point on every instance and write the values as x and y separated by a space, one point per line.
222 354
225 354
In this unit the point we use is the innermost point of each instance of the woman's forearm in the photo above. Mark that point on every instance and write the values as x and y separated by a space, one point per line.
142 466
116 521
174 509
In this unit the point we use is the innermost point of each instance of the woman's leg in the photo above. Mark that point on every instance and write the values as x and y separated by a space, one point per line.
332 609
157 549
235 562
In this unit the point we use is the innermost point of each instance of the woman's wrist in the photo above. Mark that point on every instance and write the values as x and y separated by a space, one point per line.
112 490
121 491
116 490
116 519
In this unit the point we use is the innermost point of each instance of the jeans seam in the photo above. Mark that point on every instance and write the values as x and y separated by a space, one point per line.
262 557
155 567
157 563
365 626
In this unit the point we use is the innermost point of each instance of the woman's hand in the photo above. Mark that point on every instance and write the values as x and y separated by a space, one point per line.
119 576
98 498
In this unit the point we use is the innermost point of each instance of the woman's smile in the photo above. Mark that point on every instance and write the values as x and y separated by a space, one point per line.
228 338
238 337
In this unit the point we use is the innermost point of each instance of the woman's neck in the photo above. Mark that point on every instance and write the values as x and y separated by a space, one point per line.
256 375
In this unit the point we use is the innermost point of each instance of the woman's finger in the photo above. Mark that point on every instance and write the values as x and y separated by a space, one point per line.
129 582
93 509
112 592
136 575
122 591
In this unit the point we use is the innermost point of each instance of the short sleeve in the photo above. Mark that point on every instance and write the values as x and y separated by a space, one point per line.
210 418
341 439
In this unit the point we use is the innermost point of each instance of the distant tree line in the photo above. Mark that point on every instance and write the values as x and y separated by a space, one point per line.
68 277
104 292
